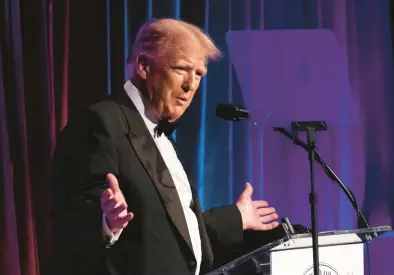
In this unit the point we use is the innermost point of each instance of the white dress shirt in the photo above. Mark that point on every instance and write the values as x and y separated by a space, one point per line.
177 172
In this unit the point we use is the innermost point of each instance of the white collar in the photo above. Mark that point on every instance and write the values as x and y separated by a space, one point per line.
136 97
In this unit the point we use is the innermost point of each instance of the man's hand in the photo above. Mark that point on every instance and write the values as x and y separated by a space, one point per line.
256 215
114 206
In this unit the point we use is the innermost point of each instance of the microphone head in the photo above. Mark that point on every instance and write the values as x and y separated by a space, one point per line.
231 112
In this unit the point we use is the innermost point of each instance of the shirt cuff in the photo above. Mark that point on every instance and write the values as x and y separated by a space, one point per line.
108 235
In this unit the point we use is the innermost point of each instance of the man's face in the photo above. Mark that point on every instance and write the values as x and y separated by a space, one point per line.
172 85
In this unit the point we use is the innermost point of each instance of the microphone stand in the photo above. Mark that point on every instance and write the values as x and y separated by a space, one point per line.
310 127
362 221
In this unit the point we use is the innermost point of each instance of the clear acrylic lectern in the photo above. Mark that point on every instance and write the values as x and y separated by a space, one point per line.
341 252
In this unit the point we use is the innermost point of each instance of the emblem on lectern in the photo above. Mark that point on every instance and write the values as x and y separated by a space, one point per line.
325 269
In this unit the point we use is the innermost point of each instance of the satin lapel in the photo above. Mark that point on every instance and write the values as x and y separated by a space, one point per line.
206 247
207 253
150 157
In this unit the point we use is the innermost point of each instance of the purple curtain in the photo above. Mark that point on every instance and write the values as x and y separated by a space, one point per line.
360 155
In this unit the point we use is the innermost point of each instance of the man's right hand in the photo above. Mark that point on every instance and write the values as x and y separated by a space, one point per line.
114 206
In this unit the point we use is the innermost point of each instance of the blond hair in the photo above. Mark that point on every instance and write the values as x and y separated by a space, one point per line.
157 38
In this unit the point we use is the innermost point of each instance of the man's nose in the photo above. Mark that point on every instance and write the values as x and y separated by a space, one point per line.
189 82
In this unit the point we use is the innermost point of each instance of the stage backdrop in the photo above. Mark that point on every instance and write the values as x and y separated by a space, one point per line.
59 56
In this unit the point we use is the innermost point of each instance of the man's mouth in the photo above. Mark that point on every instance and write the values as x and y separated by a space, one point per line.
181 100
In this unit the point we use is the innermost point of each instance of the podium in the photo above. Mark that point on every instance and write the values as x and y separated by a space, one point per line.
341 253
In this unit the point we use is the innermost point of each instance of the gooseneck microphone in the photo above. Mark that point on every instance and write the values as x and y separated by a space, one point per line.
231 112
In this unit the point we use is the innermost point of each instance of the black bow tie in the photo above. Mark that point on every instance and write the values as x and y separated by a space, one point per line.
165 127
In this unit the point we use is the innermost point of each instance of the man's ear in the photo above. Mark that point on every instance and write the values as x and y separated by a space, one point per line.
142 66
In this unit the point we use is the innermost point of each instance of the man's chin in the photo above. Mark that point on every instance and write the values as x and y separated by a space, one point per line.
174 116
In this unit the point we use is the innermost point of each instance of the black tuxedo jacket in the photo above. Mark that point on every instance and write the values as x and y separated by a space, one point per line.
111 137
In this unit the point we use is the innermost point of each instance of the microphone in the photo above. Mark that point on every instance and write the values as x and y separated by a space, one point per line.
231 112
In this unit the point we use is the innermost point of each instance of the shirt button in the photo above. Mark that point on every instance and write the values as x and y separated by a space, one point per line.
192 264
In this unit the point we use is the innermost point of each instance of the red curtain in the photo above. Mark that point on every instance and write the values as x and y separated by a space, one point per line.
32 112
53 62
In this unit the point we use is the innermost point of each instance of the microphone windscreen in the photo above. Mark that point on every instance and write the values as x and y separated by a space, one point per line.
231 112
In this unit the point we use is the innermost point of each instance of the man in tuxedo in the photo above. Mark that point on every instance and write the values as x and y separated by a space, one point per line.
123 204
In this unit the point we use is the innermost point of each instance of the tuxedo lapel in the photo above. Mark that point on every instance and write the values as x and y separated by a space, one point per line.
150 157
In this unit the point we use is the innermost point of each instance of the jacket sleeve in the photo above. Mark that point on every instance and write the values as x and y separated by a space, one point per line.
83 157
224 228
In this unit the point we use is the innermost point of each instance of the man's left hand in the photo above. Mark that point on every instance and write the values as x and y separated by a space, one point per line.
256 215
